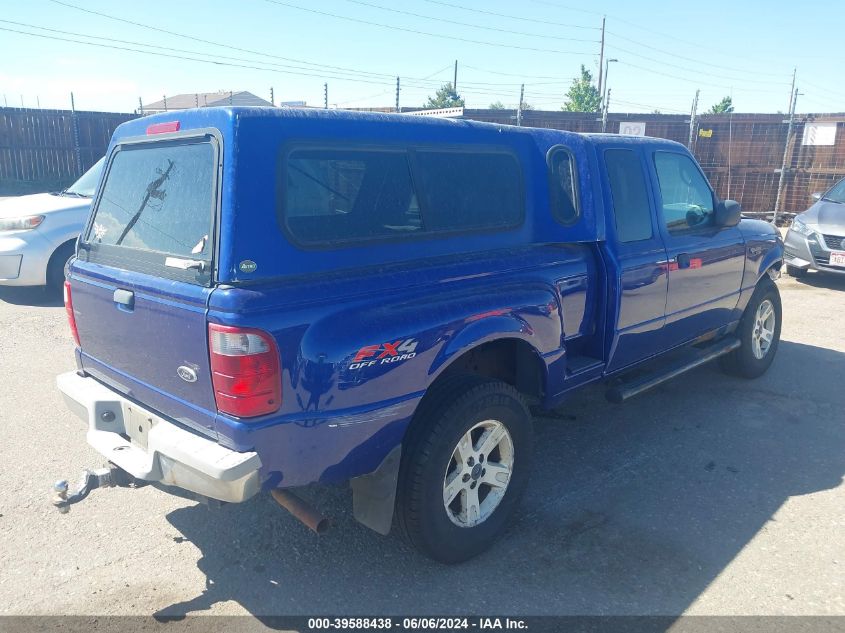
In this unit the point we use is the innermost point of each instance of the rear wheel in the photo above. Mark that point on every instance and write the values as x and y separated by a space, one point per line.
796 272
759 332
56 266
465 467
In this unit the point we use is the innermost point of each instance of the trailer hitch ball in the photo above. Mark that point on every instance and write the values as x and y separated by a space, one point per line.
60 498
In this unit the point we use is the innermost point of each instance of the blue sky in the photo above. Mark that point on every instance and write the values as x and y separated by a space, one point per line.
666 50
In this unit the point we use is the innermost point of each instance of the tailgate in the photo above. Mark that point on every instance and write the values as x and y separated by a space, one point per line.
142 279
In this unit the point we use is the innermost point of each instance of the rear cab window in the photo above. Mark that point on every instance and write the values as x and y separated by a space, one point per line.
563 188
631 209
155 212
343 195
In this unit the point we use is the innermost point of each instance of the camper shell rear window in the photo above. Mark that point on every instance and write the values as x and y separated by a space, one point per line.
350 194
156 209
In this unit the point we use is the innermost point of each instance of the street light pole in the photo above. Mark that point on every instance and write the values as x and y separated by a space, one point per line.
606 94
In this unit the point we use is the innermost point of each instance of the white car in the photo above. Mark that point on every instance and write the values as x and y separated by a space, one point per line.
38 232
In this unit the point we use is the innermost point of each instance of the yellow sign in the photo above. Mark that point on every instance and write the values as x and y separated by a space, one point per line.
705 133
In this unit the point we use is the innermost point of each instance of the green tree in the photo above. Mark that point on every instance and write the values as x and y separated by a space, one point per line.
583 96
497 105
725 106
446 97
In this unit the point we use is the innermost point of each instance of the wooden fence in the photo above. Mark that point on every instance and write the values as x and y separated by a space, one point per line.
740 153
52 146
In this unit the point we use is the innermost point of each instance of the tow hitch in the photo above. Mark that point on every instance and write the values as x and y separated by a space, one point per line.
107 477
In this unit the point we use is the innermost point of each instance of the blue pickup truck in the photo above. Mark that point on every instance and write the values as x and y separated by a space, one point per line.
264 299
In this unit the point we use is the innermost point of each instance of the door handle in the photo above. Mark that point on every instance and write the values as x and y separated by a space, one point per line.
683 260
125 299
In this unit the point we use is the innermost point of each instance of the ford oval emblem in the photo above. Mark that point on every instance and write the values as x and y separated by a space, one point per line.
186 373
248 266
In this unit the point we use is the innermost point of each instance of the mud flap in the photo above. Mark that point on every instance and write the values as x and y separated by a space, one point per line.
374 495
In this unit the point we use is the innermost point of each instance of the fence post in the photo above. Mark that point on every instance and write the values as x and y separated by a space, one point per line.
74 124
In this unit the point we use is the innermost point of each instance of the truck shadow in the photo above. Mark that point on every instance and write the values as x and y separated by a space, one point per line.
633 509
822 280
31 296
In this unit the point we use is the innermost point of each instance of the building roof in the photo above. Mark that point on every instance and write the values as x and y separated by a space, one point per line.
207 100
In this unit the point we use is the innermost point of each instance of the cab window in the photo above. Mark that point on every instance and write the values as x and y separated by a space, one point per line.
687 202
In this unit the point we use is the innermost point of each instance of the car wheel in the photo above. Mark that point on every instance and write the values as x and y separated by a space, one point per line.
759 333
465 466
56 266
796 272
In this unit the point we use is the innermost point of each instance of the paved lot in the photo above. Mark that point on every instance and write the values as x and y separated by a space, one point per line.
710 495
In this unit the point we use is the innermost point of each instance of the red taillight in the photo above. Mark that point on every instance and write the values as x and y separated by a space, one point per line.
163 128
244 371
70 316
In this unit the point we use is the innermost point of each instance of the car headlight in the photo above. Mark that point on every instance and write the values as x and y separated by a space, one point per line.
799 226
24 223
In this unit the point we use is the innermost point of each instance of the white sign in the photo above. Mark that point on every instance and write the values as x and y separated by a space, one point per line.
439 112
819 134
632 128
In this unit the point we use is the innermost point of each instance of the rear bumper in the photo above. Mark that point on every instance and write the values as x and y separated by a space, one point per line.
153 448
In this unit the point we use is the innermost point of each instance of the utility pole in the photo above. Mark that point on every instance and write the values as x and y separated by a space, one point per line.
75 128
785 162
164 97
455 79
398 109
604 112
325 96
519 108
792 89
140 106
693 114
196 100
601 53
272 97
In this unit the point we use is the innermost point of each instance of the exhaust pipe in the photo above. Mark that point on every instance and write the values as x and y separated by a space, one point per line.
301 510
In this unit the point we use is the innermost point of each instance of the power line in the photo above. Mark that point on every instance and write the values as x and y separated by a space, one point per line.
213 43
694 80
474 26
689 59
183 57
698 72
427 33
521 75
512 17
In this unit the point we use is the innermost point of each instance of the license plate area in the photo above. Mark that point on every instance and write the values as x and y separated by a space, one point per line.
837 258
137 424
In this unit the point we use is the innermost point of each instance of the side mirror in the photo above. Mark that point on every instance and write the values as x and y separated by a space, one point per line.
728 213
817 196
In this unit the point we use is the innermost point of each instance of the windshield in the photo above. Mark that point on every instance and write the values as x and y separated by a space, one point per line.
87 183
836 193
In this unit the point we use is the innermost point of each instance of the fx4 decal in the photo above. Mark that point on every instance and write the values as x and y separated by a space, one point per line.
385 353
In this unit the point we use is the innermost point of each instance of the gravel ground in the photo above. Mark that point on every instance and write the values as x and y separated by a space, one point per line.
709 495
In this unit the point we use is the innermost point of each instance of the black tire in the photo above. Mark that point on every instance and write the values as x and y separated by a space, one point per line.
56 266
444 417
743 361
793 271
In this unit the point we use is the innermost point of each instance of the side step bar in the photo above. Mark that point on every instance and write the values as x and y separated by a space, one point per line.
619 393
